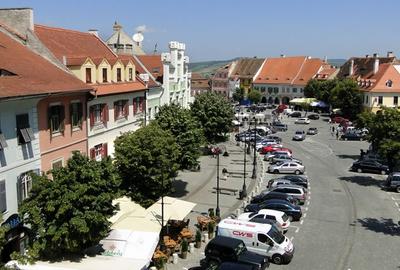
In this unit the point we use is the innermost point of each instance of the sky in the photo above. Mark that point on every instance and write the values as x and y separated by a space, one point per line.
225 29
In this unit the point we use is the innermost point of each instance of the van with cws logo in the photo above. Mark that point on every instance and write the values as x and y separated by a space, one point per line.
263 239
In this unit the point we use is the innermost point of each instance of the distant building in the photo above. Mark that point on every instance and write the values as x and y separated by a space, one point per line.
121 43
377 77
243 71
199 84
283 78
220 81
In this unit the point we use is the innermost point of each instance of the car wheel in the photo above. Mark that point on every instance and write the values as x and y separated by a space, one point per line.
383 172
398 189
277 259
359 170
345 139
276 171
297 172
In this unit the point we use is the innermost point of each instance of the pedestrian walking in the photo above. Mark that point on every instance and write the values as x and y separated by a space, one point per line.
337 134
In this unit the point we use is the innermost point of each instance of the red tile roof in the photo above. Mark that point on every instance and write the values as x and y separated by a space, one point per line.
117 88
296 70
378 82
73 44
246 68
153 62
33 74
139 68
362 66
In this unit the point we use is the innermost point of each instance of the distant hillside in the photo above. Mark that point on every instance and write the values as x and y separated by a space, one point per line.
207 68
337 62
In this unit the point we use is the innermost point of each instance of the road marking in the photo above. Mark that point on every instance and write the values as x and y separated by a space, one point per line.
297 230
306 209
397 204
291 239
305 214
395 199
309 197
308 203
301 221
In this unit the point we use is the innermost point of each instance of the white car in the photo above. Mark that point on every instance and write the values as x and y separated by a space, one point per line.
302 121
287 167
280 217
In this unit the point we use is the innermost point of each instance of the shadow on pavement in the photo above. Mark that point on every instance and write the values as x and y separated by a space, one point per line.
384 225
362 180
179 187
354 157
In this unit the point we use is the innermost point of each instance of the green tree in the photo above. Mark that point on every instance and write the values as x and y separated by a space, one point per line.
214 113
145 159
186 131
3 230
384 133
238 95
254 96
70 213
321 90
347 97
312 89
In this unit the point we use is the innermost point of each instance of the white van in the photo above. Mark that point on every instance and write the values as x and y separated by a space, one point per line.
260 238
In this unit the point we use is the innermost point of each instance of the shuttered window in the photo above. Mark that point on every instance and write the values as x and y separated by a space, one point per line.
76 114
56 119
24 132
3 196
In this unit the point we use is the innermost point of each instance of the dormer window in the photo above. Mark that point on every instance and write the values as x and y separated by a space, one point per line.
131 74
118 75
105 75
389 83
4 73
88 75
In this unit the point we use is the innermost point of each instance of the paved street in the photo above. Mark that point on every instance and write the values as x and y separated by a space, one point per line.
348 221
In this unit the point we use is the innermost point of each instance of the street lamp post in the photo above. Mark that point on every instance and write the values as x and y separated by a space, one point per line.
162 246
244 188
217 210
254 176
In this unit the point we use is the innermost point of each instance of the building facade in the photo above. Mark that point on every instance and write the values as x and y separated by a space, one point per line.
282 79
220 81
242 72
121 43
199 84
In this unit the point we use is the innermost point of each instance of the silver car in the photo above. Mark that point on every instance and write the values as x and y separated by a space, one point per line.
295 191
299 135
287 167
284 157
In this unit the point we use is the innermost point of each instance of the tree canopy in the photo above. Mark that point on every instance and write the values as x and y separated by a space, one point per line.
254 96
347 97
70 213
186 131
384 133
144 159
214 113
238 95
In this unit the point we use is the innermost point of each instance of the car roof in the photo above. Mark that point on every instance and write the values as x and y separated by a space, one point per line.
234 266
277 201
289 186
225 241
271 212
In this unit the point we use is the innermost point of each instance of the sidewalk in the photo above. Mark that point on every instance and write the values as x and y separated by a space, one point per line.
198 187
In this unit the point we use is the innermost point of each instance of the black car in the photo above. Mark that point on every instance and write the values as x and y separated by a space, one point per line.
296 180
370 166
352 136
295 114
313 116
293 211
225 249
268 195
236 266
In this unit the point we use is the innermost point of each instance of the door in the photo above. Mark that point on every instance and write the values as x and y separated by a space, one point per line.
264 245
285 168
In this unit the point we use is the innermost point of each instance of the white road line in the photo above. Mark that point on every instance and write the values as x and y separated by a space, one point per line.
297 230
291 239
306 209
309 197
308 203
397 204
301 221
305 214
309 193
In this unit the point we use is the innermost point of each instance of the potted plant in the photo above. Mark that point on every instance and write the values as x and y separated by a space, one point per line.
159 263
184 248
198 239
211 229
211 212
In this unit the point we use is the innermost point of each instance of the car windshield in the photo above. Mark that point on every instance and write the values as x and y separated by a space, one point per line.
252 214
285 217
276 235
279 163
240 249
299 132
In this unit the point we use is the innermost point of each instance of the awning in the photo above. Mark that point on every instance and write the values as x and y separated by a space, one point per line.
302 100
173 209
319 103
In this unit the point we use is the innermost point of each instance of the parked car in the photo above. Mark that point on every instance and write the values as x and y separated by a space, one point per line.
297 192
279 217
338 119
312 131
393 181
313 116
225 249
352 136
299 180
271 155
295 114
235 266
272 148
268 195
287 167
293 211
373 166
280 126
276 138
299 135
284 157
278 182
302 121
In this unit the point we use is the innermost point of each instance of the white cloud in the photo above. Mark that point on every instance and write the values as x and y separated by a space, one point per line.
143 28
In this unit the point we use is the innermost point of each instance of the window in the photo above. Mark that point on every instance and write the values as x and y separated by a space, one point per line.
276 90
88 75
98 114
118 74
380 100
366 99
263 238
105 75
76 114
3 142
56 119
24 132
395 101
98 152
389 83
3 196
294 90
24 186
131 74
262 89
57 164
150 116
121 109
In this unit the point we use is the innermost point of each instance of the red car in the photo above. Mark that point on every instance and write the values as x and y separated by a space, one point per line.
339 119
272 148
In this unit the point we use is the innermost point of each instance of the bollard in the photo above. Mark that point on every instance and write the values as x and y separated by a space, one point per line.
257 189
237 212
253 194
205 235
175 258
154 268
244 204
191 247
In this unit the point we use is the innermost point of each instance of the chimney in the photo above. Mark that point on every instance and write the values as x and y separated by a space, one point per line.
116 27
351 67
367 56
94 32
64 60
376 55
20 19
376 65
390 54
325 59
283 56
